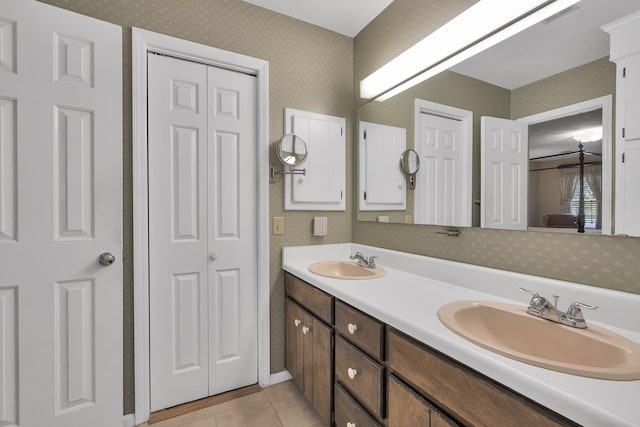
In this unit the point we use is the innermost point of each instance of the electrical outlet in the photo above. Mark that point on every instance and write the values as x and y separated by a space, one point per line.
278 225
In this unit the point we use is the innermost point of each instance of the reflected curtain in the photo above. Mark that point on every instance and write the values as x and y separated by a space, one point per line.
593 176
568 182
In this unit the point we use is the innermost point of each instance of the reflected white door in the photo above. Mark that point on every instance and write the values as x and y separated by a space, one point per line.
60 209
203 230
503 173
439 195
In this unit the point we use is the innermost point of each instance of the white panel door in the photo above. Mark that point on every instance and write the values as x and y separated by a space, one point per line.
60 209
503 173
203 230
439 196
177 231
381 181
233 230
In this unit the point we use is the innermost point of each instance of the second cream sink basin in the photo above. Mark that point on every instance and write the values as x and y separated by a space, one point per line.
510 331
345 270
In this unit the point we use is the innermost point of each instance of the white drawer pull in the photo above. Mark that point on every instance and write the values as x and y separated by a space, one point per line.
297 322
352 328
305 330
351 424
352 373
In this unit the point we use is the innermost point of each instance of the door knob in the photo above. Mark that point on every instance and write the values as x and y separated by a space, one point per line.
352 328
297 322
305 330
106 259
213 256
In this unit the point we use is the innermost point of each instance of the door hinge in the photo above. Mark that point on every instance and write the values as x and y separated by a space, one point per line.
622 157
623 131
624 72
341 131
340 194
365 135
365 195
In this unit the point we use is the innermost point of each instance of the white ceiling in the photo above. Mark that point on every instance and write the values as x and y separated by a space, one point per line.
346 17
547 49
558 136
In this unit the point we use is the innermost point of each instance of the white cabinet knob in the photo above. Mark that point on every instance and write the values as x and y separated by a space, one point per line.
213 256
352 373
352 328
305 330
297 322
351 424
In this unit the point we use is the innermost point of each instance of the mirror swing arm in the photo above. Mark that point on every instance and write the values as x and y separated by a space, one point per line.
273 172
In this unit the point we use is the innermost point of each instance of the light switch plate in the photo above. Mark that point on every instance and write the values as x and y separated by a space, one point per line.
278 225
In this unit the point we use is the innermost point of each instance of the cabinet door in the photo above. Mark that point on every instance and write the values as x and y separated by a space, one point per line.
407 408
321 367
307 355
293 342
632 100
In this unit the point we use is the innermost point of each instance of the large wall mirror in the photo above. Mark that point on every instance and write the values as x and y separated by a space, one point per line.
553 81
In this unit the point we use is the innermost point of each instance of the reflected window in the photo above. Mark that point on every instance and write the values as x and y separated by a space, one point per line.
590 205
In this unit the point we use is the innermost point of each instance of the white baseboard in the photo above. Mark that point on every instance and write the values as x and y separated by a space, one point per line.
128 420
280 377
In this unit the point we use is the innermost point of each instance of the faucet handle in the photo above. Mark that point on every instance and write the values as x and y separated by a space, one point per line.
537 302
532 293
574 311
527 291
371 263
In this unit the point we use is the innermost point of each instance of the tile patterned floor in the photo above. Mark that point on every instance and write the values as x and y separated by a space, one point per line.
281 405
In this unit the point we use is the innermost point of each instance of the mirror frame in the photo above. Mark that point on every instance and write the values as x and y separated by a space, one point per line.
279 150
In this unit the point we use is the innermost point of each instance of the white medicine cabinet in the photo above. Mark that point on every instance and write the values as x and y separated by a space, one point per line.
381 183
323 185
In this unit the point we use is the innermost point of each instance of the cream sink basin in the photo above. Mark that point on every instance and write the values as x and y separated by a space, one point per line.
345 270
509 330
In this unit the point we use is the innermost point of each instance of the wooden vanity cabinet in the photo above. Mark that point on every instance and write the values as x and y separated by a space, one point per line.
466 396
309 346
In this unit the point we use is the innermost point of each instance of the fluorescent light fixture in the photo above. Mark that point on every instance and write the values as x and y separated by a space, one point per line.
483 25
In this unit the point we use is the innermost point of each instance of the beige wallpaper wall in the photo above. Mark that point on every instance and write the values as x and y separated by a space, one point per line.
310 69
613 262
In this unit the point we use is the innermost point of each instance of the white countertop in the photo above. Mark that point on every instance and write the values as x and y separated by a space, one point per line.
415 287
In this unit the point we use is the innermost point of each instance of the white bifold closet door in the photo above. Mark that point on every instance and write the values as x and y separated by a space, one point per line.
202 230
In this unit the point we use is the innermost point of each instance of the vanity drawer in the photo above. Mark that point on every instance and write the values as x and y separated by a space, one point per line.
367 384
362 330
473 398
349 412
312 298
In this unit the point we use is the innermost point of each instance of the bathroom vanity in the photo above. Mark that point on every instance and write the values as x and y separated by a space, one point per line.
372 352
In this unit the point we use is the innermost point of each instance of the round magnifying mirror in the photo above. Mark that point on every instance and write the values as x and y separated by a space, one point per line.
292 150
410 162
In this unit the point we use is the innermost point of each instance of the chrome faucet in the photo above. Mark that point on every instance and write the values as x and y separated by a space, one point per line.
363 261
541 307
